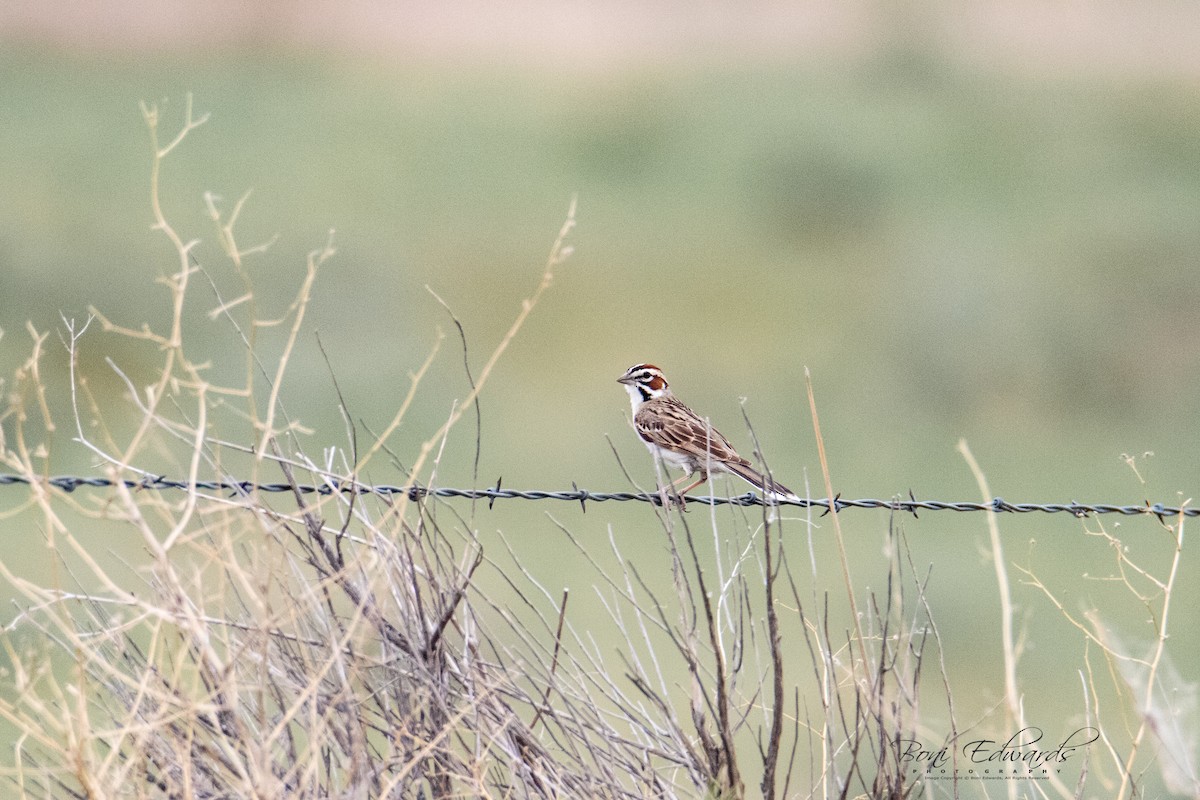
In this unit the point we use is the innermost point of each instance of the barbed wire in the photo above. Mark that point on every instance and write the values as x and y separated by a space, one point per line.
911 505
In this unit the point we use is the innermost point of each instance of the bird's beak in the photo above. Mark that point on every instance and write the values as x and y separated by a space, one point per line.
625 379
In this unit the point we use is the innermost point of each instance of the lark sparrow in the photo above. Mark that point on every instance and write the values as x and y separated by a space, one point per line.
682 439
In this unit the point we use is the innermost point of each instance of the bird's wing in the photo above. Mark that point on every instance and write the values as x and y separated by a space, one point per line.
670 424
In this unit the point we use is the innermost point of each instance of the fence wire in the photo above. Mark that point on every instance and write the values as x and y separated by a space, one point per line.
910 504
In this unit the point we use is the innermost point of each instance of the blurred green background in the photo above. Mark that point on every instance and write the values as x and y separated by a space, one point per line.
981 225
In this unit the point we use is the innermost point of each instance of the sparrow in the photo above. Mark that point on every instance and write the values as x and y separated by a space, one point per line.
683 439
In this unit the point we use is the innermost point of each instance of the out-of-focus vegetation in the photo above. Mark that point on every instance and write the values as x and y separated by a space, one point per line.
951 253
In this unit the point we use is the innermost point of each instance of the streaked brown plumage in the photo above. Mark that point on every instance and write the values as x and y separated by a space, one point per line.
681 438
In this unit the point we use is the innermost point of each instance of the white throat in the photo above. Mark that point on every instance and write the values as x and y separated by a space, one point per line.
635 396
636 399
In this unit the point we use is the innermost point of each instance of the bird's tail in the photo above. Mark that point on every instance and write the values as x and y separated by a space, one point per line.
770 489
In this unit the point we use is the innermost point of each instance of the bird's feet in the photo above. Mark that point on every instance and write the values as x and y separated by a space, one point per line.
669 498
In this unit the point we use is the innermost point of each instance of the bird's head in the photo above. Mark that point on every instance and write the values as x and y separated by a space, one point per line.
644 382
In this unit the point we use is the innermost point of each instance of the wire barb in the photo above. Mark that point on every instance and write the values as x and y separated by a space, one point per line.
69 483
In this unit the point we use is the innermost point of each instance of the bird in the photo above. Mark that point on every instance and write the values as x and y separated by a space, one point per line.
682 438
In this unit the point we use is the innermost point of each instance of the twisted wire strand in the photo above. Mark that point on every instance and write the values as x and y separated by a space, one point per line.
69 483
